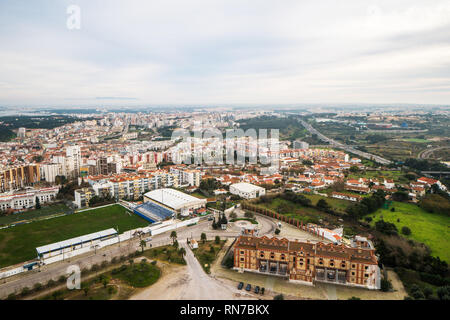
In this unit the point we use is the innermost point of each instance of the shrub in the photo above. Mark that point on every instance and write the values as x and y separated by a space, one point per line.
278 297
406 231
37 287
51 283
11 296
217 240
277 231
25 291
386 285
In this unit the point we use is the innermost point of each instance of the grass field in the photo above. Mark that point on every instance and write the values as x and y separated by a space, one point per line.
165 253
397 176
305 214
205 255
431 229
416 140
17 244
35 214
336 204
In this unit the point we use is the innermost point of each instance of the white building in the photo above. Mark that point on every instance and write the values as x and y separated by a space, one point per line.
49 171
247 190
27 199
174 200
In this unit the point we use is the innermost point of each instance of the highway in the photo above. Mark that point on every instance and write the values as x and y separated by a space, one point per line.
339 145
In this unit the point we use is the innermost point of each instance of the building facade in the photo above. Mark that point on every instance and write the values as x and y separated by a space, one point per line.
307 262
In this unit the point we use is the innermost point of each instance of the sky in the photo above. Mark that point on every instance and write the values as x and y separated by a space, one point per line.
224 52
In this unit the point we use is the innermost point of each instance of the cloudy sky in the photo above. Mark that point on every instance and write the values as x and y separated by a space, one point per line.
225 52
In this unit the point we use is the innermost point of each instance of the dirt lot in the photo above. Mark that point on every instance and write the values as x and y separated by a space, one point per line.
188 282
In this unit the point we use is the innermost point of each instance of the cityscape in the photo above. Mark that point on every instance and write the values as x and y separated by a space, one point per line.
115 185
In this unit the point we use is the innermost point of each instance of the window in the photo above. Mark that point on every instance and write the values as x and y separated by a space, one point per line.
353 273
366 267
343 265
242 252
242 259
353 266
366 275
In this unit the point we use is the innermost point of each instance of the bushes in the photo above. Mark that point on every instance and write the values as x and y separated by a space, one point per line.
443 293
435 203
386 227
406 231
386 285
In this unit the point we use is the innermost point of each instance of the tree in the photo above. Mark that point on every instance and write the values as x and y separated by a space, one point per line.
203 237
143 244
173 236
323 204
354 169
175 244
38 203
182 251
277 231
406 231
249 214
386 285
217 240
105 282
279 297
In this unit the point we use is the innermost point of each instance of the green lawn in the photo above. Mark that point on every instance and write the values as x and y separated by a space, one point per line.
293 210
431 229
17 244
336 204
416 140
137 275
35 214
397 176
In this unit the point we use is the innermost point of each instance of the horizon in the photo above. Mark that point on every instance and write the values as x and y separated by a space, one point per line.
227 53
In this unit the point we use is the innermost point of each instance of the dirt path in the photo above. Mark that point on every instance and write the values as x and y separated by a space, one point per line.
187 282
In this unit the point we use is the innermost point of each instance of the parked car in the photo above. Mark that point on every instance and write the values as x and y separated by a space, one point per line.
257 289
240 285
262 290
248 287
210 218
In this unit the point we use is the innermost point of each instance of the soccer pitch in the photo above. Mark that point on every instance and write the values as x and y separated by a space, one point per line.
18 244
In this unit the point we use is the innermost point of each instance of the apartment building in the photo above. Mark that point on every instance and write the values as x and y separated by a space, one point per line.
308 263
27 199
19 177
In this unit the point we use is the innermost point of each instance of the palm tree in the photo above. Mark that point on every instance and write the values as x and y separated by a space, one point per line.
143 244
182 251
203 237
173 235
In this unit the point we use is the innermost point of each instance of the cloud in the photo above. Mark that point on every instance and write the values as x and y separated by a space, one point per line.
205 52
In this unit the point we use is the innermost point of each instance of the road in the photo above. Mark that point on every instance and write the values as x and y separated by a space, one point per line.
55 270
428 152
189 283
339 145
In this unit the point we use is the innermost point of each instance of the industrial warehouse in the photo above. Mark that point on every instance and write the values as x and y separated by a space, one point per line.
307 262
163 204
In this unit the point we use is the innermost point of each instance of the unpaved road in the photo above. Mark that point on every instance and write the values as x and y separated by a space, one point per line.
189 283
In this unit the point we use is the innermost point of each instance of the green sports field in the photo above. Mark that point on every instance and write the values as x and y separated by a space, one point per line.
429 228
18 244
